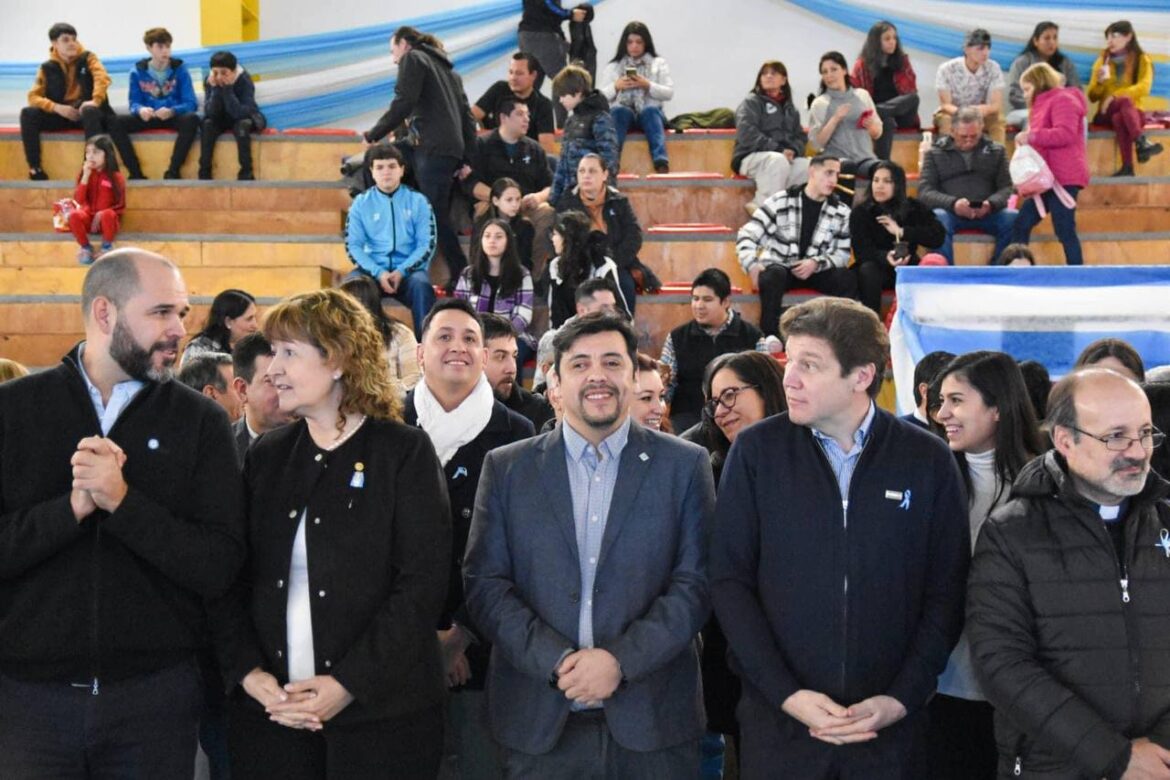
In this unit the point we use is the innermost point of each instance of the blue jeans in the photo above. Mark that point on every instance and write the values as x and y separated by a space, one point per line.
1064 222
997 223
651 121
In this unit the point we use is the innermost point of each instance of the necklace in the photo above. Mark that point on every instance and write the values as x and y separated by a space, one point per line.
345 436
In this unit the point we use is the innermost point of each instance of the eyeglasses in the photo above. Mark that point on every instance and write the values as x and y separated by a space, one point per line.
1119 442
726 399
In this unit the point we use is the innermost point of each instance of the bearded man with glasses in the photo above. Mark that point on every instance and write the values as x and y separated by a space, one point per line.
1068 605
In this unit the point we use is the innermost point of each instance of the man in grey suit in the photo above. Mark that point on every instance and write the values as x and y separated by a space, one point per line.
586 568
250 359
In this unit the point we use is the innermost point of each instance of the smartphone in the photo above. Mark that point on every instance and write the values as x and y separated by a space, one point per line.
865 115
631 72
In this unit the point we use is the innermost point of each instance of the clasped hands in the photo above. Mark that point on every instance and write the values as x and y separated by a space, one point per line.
97 477
830 722
589 676
307 704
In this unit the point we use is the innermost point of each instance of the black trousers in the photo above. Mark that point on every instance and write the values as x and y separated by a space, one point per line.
435 175
899 112
776 280
409 747
187 125
211 128
34 121
143 727
961 739
872 278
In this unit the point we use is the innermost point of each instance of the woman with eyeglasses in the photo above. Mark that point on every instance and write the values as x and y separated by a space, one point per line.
991 427
741 388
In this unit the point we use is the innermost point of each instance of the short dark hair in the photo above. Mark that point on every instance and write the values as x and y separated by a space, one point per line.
530 60
506 106
223 59
1117 349
589 325
819 160
572 80
927 369
383 152
854 333
157 35
496 326
245 352
203 369
61 28
714 278
590 287
978 37
443 304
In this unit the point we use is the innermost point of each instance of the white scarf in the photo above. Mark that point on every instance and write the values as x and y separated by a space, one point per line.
451 430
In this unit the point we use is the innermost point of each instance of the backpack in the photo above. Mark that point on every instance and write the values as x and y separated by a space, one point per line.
1032 177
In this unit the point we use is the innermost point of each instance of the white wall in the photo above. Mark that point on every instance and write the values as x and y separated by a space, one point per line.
108 28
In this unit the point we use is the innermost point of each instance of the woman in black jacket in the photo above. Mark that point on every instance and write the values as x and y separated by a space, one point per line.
330 634
886 229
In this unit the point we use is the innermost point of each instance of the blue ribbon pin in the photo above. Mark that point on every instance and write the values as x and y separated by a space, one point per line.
905 500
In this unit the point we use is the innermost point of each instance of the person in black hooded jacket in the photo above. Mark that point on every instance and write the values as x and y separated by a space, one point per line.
429 95
1068 601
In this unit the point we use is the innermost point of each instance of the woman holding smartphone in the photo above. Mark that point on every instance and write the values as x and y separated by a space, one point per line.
637 82
843 120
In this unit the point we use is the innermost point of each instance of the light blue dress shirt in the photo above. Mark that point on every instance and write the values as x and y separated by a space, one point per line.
122 394
844 463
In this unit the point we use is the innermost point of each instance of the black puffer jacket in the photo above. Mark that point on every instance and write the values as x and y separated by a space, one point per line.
1075 659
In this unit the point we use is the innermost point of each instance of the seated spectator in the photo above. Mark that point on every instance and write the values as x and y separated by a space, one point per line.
611 214
71 92
101 198
925 371
210 373
884 71
636 82
842 120
1057 131
401 345
965 179
262 413
581 255
715 329
505 202
1114 354
161 96
886 229
1043 46
769 139
1120 86
390 234
10 370
588 128
501 367
798 237
591 295
649 406
232 316
1039 384
971 81
229 103
508 153
523 72
495 281
1015 254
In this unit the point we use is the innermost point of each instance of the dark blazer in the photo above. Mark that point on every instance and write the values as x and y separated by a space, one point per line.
242 437
623 234
523 581
378 558
462 476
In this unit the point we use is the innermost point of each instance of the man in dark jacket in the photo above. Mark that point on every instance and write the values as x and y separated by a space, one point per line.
541 33
229 103
715 329
500 368
429 93
838 563
121 508
455 405
965 179
1068 607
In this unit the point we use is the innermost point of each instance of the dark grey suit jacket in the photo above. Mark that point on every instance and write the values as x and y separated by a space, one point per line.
523 582
243 438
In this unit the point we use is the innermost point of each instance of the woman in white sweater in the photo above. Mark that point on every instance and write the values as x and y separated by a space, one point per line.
992 429
636 82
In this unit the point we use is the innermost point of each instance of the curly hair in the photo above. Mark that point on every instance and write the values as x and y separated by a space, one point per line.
347 337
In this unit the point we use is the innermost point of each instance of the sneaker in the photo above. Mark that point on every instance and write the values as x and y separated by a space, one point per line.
661 166
37 174
246 176
137 176
204 175
1125 170
171 175
107 246
85 255
1146 149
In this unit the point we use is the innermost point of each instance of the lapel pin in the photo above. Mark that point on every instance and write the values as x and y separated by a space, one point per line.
643 457
152 444
459 472
358 480
1164 542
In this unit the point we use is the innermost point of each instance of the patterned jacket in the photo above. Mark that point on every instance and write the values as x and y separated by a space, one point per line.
772 235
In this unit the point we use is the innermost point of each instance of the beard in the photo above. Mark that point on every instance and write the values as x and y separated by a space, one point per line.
602 419
503 388
135 360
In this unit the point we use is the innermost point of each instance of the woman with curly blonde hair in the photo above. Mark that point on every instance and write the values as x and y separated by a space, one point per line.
330 632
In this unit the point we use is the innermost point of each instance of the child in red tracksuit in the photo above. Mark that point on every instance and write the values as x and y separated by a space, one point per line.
100 196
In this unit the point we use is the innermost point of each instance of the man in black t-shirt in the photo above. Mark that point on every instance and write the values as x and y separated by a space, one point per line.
523 72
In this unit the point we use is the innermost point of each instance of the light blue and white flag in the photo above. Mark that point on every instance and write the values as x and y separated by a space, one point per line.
1047 314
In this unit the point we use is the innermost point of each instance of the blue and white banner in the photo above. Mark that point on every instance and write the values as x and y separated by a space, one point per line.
1047 314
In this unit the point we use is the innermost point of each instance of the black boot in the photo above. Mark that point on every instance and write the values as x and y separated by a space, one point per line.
1125 170
1146 149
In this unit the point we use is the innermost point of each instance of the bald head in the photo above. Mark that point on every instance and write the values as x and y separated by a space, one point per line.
117 276
1089 388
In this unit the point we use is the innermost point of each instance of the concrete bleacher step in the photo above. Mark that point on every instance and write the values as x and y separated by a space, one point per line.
240 208
276 156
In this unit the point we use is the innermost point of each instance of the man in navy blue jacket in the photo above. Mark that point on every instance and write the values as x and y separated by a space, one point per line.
838 562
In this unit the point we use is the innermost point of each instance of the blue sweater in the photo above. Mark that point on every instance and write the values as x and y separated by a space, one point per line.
175 91
393 232
849 609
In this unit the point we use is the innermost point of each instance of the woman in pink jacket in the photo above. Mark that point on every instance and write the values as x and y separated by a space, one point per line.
1056 129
